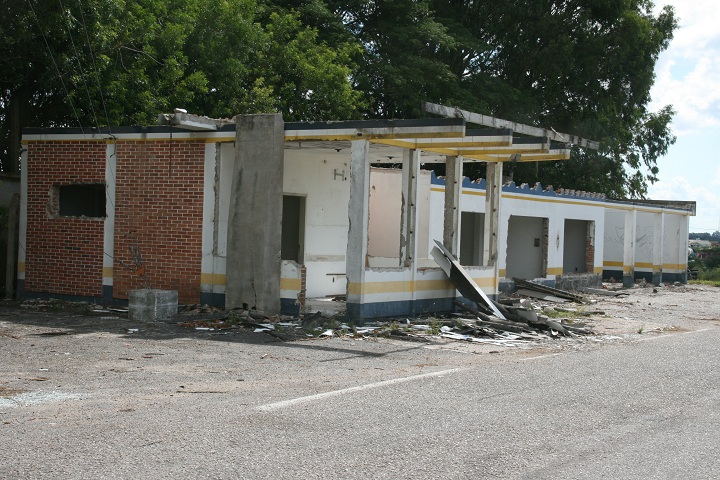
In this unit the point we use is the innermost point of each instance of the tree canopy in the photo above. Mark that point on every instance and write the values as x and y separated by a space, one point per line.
580 66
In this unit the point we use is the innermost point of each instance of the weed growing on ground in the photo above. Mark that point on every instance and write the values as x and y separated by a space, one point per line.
708 277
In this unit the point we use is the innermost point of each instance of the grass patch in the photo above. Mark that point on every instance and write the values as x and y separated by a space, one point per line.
708 277
712 283
554 313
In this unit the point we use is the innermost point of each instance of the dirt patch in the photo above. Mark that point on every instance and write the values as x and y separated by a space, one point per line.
7 392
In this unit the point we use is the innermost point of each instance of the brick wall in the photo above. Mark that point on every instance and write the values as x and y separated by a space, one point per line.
158 213
63 255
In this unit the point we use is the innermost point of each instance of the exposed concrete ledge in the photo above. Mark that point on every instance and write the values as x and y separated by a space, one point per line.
192 122
688 205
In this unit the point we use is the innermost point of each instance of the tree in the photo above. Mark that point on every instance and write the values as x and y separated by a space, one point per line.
579 66
114 62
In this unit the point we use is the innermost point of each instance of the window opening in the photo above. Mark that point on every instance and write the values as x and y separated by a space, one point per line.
82 200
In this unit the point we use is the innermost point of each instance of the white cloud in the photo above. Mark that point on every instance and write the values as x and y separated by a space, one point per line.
688 74
716 180
708 202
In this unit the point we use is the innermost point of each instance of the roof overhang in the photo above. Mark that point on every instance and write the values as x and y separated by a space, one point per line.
438 138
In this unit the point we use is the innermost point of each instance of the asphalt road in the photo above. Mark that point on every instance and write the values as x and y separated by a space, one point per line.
100 402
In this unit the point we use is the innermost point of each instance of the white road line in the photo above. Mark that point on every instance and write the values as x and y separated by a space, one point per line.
646 339
336 393
542 356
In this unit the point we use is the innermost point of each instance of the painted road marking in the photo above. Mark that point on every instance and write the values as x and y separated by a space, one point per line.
645 339
344 391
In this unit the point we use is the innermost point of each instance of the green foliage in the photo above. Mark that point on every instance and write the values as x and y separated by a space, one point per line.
118 62
579 66
709 277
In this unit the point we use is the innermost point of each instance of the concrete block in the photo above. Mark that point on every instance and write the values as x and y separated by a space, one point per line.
152 305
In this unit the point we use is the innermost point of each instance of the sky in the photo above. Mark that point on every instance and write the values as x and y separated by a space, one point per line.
688 77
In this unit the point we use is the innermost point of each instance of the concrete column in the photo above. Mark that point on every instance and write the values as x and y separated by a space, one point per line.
590 247
255 219
453 192
658 229
683 247
109 229
493 193
408 236
629 248
22 236
12 242
358 210
409 239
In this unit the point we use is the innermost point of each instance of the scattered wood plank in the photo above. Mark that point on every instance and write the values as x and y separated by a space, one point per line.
607 293
541 296
528 285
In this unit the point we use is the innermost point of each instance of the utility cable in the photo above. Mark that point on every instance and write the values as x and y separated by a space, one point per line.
57 69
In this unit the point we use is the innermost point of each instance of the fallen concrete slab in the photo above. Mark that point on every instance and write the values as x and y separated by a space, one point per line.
462 281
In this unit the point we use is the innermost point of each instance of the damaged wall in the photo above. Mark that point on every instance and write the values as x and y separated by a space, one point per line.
533 204
61 255
671 247
158 216
169 200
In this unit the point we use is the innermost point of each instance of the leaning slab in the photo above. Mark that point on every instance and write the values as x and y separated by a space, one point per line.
152 305
462 281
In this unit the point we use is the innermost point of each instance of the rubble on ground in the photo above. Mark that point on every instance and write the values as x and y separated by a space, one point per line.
523 320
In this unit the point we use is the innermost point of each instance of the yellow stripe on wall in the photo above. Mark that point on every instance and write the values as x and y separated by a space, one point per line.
212 279
108 272
555 271
21 267
674 266
409 286
290 284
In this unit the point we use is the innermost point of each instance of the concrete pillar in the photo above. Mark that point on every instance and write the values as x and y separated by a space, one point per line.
408 236
12 242
109 229
658 229
629 248
493 193
683 247
358 210
590 247
453 192
409 239
255 219
22 236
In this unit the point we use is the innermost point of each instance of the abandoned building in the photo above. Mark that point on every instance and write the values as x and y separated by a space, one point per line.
263 213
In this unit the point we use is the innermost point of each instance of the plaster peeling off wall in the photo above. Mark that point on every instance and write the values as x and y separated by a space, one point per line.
323 180
386 205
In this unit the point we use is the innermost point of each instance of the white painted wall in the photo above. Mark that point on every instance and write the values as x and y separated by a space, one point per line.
674 253
644 242
320 178
613 237
516 203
